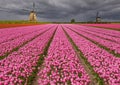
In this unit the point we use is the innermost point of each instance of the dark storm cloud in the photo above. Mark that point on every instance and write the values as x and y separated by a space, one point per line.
62 10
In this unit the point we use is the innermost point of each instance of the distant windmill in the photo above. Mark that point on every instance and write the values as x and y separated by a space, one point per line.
33 16
98 18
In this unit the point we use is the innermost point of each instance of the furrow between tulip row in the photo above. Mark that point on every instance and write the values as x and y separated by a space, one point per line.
104 37
106 26
62 66
111 47
100 34
23 32
112 33
19 65
95 78
103 63
11 46
31 80
20 30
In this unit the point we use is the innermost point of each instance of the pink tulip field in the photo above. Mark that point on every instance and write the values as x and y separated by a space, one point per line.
60 54
61 65
109 42
108 26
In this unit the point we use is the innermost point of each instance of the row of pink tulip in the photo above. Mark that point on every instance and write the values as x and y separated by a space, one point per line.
109 44
14 33
61 65
111 38
103 31
100 34
10 45
12 30
105 64
20 64
113 26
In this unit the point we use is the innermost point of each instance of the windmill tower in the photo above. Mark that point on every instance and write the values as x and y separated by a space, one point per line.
33 16
98 18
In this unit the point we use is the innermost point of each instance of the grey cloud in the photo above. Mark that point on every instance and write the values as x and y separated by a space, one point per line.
62 10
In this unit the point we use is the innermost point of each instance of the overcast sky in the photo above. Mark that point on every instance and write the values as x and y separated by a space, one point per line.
61 10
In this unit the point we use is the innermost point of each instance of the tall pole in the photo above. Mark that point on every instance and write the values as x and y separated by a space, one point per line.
33 6
97 15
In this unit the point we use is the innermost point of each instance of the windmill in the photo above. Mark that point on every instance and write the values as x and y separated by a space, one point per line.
98 18
33 15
